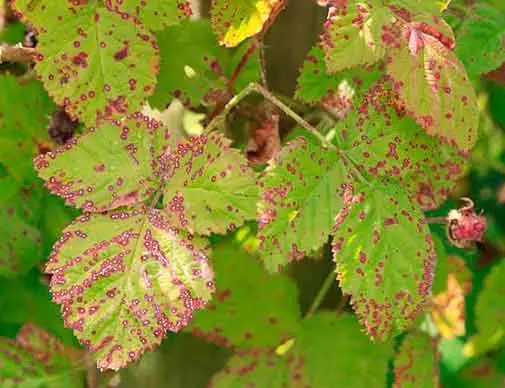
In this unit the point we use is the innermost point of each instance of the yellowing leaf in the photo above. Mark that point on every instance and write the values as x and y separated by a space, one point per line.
233 21
448 310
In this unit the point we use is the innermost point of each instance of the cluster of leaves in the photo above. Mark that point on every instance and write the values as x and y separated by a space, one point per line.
153 190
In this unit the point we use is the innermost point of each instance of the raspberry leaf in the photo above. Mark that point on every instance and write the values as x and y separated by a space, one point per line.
250 309
383 142
354 34
212 189
301 193
233 21
364 365
126 278
24 110
20 247
92 61
337 91
37 359
155 15
198 73
434 85
481 39
313 358
490 314
416 362
118 164
385 257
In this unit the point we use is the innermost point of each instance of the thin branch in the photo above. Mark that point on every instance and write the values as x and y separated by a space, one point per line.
255 88
241 65
436 220
278 7
263 64
321 295
16 53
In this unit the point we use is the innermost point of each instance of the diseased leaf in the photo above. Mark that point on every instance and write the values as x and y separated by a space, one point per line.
250 309
490 314
433 83
20 245
481 39
199 72
338 92
385 257
431 7
355 34
212 189
36 359
301 193
118 164
126 278
416 362
92 61
265 369
24 110
482 373
233 21
381 141
154 14
453 281
338 354
314 358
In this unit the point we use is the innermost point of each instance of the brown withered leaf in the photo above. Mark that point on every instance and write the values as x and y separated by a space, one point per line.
264 142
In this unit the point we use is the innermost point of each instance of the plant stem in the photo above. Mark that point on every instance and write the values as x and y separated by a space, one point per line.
321 294
436 220
16 53
256 88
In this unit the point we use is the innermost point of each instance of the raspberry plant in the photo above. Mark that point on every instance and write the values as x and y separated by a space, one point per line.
145 186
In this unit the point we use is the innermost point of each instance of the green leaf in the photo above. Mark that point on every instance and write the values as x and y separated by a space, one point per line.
385 257
201 67
155 15
250 309
24 111
339 90
212 189
20 247
91 60
434 85
27 299
329 351
233 21
55 216
382 141
481 39
416 362
36 359
490 314
12 33
337 353
265 369
481 373
301 193
353 34
126 278
116 165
